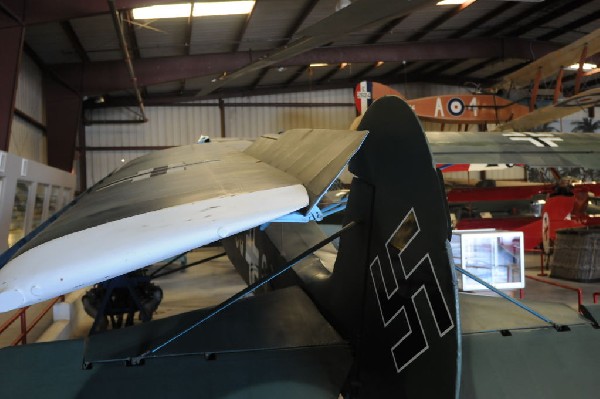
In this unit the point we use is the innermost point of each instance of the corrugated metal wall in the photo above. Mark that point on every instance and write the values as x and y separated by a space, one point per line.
245 117
26 140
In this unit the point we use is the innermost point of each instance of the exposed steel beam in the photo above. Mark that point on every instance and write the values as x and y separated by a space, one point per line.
118 22
104 77
63 113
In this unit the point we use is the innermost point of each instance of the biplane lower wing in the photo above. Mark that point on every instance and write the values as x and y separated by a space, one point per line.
275 345
169 202
508 352
533 149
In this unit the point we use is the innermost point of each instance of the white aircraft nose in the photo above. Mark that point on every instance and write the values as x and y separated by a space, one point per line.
11 299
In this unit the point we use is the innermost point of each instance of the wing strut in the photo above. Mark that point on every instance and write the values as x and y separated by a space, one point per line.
138 360
557 326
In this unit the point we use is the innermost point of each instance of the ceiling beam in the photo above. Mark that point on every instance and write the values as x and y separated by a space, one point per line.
107 76
174 98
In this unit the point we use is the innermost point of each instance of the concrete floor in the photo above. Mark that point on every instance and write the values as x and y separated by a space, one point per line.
213 282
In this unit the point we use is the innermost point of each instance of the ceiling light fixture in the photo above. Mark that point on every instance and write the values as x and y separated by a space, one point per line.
586 67
451 2
378 64
205 9
318 64
201 9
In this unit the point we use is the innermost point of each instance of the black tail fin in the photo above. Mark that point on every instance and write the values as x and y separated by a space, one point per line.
392 292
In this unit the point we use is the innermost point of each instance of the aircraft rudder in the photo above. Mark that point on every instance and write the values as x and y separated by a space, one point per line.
409 326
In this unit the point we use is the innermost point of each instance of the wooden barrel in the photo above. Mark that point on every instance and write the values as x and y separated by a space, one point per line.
577 254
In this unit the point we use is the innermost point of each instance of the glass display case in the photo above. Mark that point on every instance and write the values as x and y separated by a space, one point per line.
495 256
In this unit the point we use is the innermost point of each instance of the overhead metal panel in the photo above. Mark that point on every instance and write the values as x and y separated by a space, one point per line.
461 19
496 67
168 87
161 37
265 32
278 76
215 34
50 43
98 36
322 9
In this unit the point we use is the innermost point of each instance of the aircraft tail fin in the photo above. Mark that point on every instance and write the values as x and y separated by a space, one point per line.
366 92
392 292
555 215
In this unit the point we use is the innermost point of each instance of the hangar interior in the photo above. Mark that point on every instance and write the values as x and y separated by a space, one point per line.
87 87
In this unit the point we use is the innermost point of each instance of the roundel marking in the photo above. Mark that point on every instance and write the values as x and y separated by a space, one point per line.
456 106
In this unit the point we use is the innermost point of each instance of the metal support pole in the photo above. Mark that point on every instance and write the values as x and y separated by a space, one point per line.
125 50
222 115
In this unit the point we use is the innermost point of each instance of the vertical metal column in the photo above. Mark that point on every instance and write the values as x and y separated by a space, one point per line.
11 43
63 114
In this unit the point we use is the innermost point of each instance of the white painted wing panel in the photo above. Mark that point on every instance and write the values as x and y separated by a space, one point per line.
108 250
538 149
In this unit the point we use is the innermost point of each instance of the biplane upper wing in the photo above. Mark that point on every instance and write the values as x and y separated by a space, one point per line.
533 149
549 64
568 106
169 202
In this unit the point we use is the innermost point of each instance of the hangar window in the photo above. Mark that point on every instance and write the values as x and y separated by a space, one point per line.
38 208
19 213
